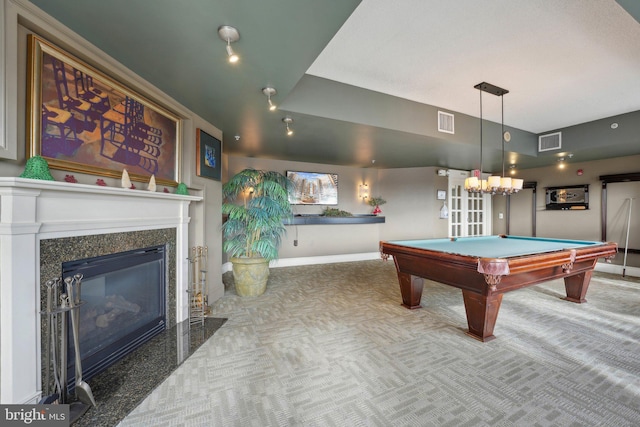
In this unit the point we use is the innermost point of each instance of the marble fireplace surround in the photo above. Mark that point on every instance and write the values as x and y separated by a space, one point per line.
54 252
33 211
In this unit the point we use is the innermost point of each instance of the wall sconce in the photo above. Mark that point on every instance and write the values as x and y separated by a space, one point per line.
561 161
287 121
561 164
269 92
230 35
363 191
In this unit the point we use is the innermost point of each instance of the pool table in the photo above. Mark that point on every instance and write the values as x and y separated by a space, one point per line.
486 267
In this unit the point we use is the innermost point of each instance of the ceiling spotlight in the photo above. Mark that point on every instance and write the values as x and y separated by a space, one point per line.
269 91
287 121
230 35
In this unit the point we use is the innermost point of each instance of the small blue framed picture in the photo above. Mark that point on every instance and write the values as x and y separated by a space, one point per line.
209 152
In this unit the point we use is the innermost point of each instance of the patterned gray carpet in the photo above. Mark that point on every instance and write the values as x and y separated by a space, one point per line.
330 345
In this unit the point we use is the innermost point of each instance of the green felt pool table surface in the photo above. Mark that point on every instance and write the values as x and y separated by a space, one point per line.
495 246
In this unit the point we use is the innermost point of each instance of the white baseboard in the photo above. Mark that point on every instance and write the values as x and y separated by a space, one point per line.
326 259
617 269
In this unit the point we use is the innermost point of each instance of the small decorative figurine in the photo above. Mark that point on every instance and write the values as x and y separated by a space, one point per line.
182 189
37 168
101 182
152 183
126 182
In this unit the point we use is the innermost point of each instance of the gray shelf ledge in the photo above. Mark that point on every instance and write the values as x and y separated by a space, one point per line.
329 220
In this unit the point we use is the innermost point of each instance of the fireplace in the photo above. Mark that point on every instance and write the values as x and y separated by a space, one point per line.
44 224
94 256
124 306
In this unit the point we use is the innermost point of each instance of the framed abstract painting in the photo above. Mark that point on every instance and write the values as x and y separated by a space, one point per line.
82 120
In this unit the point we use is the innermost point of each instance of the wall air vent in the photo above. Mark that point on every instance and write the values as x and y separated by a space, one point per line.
445 122
551 141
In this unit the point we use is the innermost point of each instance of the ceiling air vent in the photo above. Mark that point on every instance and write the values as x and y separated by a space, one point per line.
445 122
551 141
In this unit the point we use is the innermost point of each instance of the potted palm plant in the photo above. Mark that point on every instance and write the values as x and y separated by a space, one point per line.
254 228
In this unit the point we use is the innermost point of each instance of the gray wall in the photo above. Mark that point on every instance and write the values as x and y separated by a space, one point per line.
321 240
578 224
412 210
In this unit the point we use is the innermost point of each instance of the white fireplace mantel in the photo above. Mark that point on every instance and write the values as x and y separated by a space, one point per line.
33 210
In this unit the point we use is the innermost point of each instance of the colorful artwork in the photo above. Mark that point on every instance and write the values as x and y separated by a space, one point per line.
82 120
209 156
209 151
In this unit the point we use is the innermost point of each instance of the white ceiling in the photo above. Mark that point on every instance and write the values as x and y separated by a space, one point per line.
564 62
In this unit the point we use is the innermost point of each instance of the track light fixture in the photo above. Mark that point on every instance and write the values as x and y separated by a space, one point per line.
287 121
269 92
230 35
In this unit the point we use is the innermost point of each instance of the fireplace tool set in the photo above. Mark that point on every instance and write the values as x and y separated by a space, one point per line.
197 285
63 301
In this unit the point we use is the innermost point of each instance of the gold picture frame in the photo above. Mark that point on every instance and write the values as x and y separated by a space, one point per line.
81 120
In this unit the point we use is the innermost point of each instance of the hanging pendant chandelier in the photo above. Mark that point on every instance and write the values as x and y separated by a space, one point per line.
494 184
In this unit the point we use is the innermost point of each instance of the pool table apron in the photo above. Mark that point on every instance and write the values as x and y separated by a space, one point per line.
483 281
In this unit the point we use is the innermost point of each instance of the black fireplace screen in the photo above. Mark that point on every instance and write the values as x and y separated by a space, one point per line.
124 302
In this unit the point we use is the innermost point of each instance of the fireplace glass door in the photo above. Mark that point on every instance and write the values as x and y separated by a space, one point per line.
123 306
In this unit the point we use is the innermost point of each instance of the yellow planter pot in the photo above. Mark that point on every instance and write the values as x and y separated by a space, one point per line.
250 276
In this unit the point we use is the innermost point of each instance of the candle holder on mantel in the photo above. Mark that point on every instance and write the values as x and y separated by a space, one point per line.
198 301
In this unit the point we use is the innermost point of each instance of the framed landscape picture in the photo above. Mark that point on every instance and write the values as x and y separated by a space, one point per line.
82 120
209 150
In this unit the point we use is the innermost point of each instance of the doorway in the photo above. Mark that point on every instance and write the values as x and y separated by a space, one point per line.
469 213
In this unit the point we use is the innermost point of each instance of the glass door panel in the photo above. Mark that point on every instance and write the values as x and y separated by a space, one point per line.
470 213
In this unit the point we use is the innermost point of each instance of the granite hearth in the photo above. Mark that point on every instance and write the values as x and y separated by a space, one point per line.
123 386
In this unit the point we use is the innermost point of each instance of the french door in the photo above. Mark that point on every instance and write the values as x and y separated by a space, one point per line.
469 213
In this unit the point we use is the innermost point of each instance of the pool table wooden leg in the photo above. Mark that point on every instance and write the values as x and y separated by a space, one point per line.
577 286
482 312
411 290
